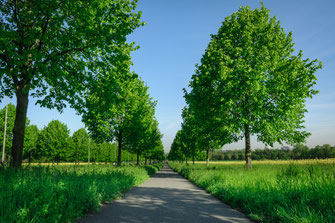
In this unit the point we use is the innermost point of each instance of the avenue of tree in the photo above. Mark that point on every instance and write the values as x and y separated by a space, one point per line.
75 53
53 143
250 82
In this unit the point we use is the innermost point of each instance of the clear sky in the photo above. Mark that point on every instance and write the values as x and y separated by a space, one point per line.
175 37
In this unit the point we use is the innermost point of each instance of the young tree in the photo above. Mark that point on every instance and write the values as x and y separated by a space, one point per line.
152 142
11 112
52 49
9 129
109 110
256 83
176 152
30 142
142 134
80 145
53 142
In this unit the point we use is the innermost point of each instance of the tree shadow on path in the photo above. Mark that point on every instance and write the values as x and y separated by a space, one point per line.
166 197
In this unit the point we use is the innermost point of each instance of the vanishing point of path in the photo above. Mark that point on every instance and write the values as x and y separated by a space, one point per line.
166 197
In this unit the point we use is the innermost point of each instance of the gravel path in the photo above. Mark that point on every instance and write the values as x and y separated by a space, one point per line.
166 197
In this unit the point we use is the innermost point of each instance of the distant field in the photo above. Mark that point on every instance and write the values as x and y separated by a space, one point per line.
274 162
272 191
74 164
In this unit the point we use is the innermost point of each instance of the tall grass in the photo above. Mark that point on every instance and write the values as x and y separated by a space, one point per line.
269 192
63 193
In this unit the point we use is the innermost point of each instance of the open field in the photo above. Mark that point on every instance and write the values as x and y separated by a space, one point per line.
65 192
273 162
273 191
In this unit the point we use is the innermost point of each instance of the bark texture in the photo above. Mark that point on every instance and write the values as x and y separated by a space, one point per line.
19 127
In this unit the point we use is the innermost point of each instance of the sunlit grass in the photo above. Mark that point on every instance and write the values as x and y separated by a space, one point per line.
65 192
330 161
273 191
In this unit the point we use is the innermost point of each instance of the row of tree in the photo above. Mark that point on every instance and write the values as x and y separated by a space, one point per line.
77 52
299 151
249 82
53 143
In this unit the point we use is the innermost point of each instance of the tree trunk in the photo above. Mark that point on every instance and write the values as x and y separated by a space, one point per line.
247 147
145 162
137 158
19 127
207 157
193 158
120 149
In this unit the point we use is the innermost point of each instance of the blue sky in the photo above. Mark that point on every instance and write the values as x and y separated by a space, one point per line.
175 37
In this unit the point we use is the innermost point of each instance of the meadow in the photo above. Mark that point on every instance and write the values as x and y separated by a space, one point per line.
64 193
273 191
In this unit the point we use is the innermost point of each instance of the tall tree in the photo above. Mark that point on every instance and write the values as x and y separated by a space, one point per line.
142 134
257 84
176 152
109 109
30 142
53 142
52 49
80 145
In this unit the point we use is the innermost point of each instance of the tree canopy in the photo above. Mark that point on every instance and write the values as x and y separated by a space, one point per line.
54 142
250 82
121 110
52 50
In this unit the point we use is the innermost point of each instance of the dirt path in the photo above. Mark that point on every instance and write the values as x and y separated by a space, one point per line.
166 197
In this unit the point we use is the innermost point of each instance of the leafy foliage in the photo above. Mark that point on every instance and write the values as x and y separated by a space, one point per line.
54 141
9 129
11 112
53 50
121 110
30 142
80 140
250 82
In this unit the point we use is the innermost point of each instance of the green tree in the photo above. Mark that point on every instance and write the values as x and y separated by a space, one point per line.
53 142
30 142
11 112
114 110
256 84
80 145
52 50
9 129
176 152
142 134
152 143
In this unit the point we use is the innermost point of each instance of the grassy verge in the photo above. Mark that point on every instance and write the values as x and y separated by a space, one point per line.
271 193
63 193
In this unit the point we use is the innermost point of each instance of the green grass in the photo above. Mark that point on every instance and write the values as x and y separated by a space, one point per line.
63 193
271 193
